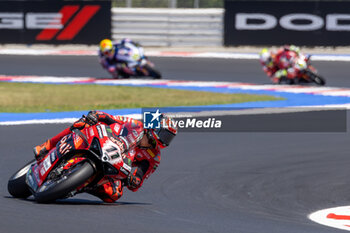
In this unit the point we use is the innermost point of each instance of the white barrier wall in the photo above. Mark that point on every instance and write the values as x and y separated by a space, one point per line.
169 27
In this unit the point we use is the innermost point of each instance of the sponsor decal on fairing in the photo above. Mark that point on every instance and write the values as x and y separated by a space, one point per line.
91 132
99 131
53 156
122 169
117 128
47 163
104 131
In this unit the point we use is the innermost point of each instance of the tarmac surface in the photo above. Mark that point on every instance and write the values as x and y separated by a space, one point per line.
207 182
204 69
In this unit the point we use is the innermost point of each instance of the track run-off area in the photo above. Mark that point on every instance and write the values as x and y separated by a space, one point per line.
207 182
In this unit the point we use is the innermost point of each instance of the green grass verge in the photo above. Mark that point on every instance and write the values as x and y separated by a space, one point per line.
23 97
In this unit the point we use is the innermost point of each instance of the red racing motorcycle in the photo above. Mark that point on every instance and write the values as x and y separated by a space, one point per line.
304 71
77 163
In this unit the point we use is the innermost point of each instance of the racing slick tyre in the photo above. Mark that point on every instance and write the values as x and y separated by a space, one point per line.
153 72
17 185
316 78
61 186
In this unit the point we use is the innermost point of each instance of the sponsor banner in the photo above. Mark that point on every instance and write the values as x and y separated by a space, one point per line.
231 119
55 22
311 23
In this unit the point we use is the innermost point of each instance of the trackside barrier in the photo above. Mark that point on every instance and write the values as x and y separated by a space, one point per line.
169 27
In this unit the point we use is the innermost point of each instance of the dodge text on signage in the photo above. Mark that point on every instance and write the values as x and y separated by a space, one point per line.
332 22
325 23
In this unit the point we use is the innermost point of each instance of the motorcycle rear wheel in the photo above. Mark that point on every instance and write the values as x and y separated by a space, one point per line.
60 187
17 185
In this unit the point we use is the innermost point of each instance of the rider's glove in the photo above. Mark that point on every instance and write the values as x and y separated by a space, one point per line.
79 124
90 119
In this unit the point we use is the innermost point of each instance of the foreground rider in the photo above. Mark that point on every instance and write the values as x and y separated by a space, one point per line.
146 145
114 57
276 64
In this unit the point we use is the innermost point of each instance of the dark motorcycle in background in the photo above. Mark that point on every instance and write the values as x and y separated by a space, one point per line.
77 163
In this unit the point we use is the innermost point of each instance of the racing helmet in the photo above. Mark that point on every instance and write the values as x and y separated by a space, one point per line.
265 57
106 47
163 135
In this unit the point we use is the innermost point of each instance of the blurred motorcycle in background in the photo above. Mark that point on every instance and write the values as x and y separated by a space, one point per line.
289 66
304 71
126 59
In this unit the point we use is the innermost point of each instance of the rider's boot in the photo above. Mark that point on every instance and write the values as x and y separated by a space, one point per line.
108 192
41 150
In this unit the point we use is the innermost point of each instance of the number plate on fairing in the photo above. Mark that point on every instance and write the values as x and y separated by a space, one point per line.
111 152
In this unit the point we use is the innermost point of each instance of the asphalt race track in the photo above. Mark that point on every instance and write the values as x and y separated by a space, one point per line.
207 69
207 182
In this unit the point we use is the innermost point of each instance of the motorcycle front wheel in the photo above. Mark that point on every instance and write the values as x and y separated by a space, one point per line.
17 185
315 78
152 72
67 182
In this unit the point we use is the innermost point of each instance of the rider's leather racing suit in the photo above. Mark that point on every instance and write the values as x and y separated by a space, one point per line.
280 67
130 133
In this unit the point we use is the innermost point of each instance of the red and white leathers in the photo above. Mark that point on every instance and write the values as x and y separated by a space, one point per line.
131 132
279 64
